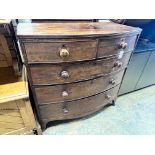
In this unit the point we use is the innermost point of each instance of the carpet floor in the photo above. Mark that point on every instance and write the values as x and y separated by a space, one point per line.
133 114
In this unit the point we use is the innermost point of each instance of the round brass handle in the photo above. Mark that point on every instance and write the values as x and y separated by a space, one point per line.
64 74
107 96
112 81
65 110
118 64
123 45
64 94
64 53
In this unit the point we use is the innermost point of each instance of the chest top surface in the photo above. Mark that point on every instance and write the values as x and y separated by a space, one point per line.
59 30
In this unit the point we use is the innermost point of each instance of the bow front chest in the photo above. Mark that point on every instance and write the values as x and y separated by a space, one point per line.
75 69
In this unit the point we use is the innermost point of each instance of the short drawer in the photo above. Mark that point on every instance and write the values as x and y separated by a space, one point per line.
116 46
44 74
60 51
78 108
74 91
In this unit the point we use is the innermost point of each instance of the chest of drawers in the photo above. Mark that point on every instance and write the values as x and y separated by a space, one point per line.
75 69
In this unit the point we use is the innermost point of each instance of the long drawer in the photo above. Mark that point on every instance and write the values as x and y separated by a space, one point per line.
68 50
74 91
78 108
45 74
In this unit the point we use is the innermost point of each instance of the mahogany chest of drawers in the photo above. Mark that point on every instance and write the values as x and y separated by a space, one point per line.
75 69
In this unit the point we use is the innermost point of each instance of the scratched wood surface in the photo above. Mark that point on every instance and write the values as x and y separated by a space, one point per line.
72 29
64 61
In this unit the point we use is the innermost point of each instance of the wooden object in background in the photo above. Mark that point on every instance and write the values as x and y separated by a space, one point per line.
9 52
16 115
5 56
75 69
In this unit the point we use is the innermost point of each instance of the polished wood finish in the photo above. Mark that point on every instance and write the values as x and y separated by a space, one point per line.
75 69
73 91
46 74
55 52
63 30
115 46
76 50
78 108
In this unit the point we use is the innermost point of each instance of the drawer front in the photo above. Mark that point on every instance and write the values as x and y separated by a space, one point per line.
116 46
61 51
54 74
78 108
74 91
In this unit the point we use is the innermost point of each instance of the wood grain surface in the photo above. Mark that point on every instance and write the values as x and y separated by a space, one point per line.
5 55
46 74
77 108
16 116
71 65
54 94
50 52
11 86
59 30
109 47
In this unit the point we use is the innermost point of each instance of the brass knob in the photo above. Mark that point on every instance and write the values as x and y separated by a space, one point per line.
64 94
112 81
64 74
107 96
123 45
64 53
65 110
117 64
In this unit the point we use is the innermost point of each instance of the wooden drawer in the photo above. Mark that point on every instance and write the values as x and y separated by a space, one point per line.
77 58
78 108
116 46
45 74
61 51
74 91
